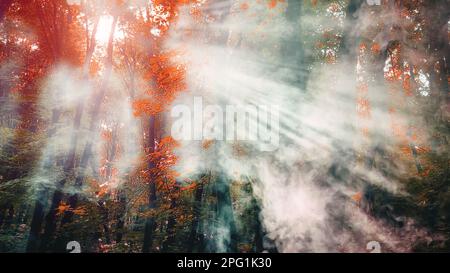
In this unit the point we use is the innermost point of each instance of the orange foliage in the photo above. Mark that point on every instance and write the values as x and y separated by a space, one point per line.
395 70
163 159
330 57
43 39
63 207
405 149
207 144
406 84
244 6
376 48
146 106
169 79
362 47
273 3
239 150
79 211
196 13
357 197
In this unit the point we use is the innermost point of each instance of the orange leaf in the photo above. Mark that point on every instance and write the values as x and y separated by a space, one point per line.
62 208
357 197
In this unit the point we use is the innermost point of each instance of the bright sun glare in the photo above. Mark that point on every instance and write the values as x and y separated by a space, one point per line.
104 29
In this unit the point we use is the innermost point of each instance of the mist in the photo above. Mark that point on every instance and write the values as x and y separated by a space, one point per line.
307 186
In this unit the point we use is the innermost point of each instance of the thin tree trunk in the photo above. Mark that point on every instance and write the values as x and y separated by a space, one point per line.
120 216
2 216
170 225
438 42
193 239
9 217
293 50
150 224
350 42
225 216
87 151
258 240
38 213
50 220
105 220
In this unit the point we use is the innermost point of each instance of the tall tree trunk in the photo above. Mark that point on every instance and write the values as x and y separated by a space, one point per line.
87 151
120 216
2 216
50 221
350 42
439 48
39 207
150 223
9 217
225 217
293 50
258 240
193 239
38 214
170 225
105 222
255 212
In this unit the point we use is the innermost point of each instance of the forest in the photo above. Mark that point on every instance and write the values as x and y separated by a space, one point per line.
115 120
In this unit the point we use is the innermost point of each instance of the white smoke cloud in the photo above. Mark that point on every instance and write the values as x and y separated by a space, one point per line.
305 207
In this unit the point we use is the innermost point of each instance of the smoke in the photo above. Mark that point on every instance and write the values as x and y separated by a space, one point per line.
312 190
64 91
307 187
